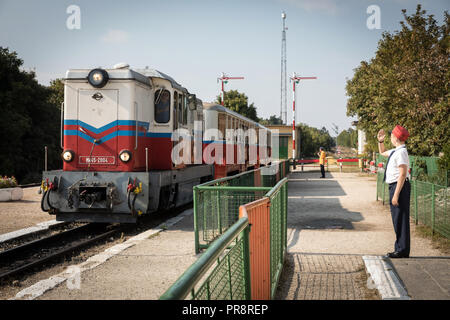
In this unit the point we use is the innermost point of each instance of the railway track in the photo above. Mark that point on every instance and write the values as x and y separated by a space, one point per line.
24 258
36 253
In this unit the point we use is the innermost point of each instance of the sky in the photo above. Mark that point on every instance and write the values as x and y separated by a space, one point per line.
193 41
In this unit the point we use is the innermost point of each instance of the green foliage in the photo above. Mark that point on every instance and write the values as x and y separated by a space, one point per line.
273 120
56 97
28 122
444 166
311 139
238 102
406 83
348 138
6 182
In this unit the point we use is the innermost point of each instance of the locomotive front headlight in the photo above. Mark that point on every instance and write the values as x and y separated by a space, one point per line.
125 155
67 155
98 78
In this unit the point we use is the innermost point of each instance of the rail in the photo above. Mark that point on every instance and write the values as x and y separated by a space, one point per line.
35 253
333 164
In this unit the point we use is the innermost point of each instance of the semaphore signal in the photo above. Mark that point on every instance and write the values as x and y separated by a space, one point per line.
224 79
295 79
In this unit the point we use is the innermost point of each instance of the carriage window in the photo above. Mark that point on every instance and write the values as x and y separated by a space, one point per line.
179 109
185 110
222 119
175 109
162 106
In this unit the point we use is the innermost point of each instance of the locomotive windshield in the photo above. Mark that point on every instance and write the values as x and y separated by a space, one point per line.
162 106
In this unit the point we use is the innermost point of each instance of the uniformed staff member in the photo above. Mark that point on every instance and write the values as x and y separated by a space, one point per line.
322 156
397 176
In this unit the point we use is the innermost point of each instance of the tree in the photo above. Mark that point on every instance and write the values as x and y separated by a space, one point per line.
273 120
406 83
348 138
28 122
311 139
238 102
56 88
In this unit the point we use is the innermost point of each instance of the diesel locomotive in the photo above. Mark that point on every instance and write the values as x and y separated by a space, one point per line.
118 137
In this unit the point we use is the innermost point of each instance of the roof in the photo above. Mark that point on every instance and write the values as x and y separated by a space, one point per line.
140 75
153 73
123 73
220 108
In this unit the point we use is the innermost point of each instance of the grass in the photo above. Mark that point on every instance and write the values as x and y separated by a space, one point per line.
438 241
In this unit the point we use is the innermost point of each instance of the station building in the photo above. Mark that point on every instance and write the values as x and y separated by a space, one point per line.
284 134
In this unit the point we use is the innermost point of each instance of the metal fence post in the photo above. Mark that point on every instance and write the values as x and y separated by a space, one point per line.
416 214
378 185
229 277
45 158
196 236
432 208
246 261
219 217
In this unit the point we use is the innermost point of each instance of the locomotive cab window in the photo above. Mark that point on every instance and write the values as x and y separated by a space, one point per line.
162 106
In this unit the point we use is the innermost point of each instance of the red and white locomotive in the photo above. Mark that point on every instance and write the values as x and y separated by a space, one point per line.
118 143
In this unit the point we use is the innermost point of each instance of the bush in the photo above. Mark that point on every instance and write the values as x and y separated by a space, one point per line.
6 182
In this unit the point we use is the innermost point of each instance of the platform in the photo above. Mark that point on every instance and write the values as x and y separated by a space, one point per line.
332 224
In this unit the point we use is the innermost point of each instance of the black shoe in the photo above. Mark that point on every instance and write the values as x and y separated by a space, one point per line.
395 255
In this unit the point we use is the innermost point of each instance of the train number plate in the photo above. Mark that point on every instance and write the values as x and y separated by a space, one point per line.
97 160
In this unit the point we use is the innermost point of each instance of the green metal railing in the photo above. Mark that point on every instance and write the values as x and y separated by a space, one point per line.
278 231
225 265
429 206
229 279
216 203
429 203
419 165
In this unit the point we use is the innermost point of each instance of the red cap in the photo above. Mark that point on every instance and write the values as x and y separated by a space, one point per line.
400 132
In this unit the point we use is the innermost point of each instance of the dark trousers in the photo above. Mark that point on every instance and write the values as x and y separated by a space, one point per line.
400 217
322 170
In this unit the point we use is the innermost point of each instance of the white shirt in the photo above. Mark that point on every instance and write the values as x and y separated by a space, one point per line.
398 158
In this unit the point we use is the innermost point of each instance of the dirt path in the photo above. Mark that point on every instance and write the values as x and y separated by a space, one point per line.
15 215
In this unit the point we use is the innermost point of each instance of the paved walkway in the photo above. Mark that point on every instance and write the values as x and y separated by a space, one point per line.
332 224
425 278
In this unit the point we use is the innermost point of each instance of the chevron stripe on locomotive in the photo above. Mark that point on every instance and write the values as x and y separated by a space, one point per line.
117 140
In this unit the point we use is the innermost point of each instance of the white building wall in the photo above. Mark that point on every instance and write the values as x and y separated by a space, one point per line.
361 141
